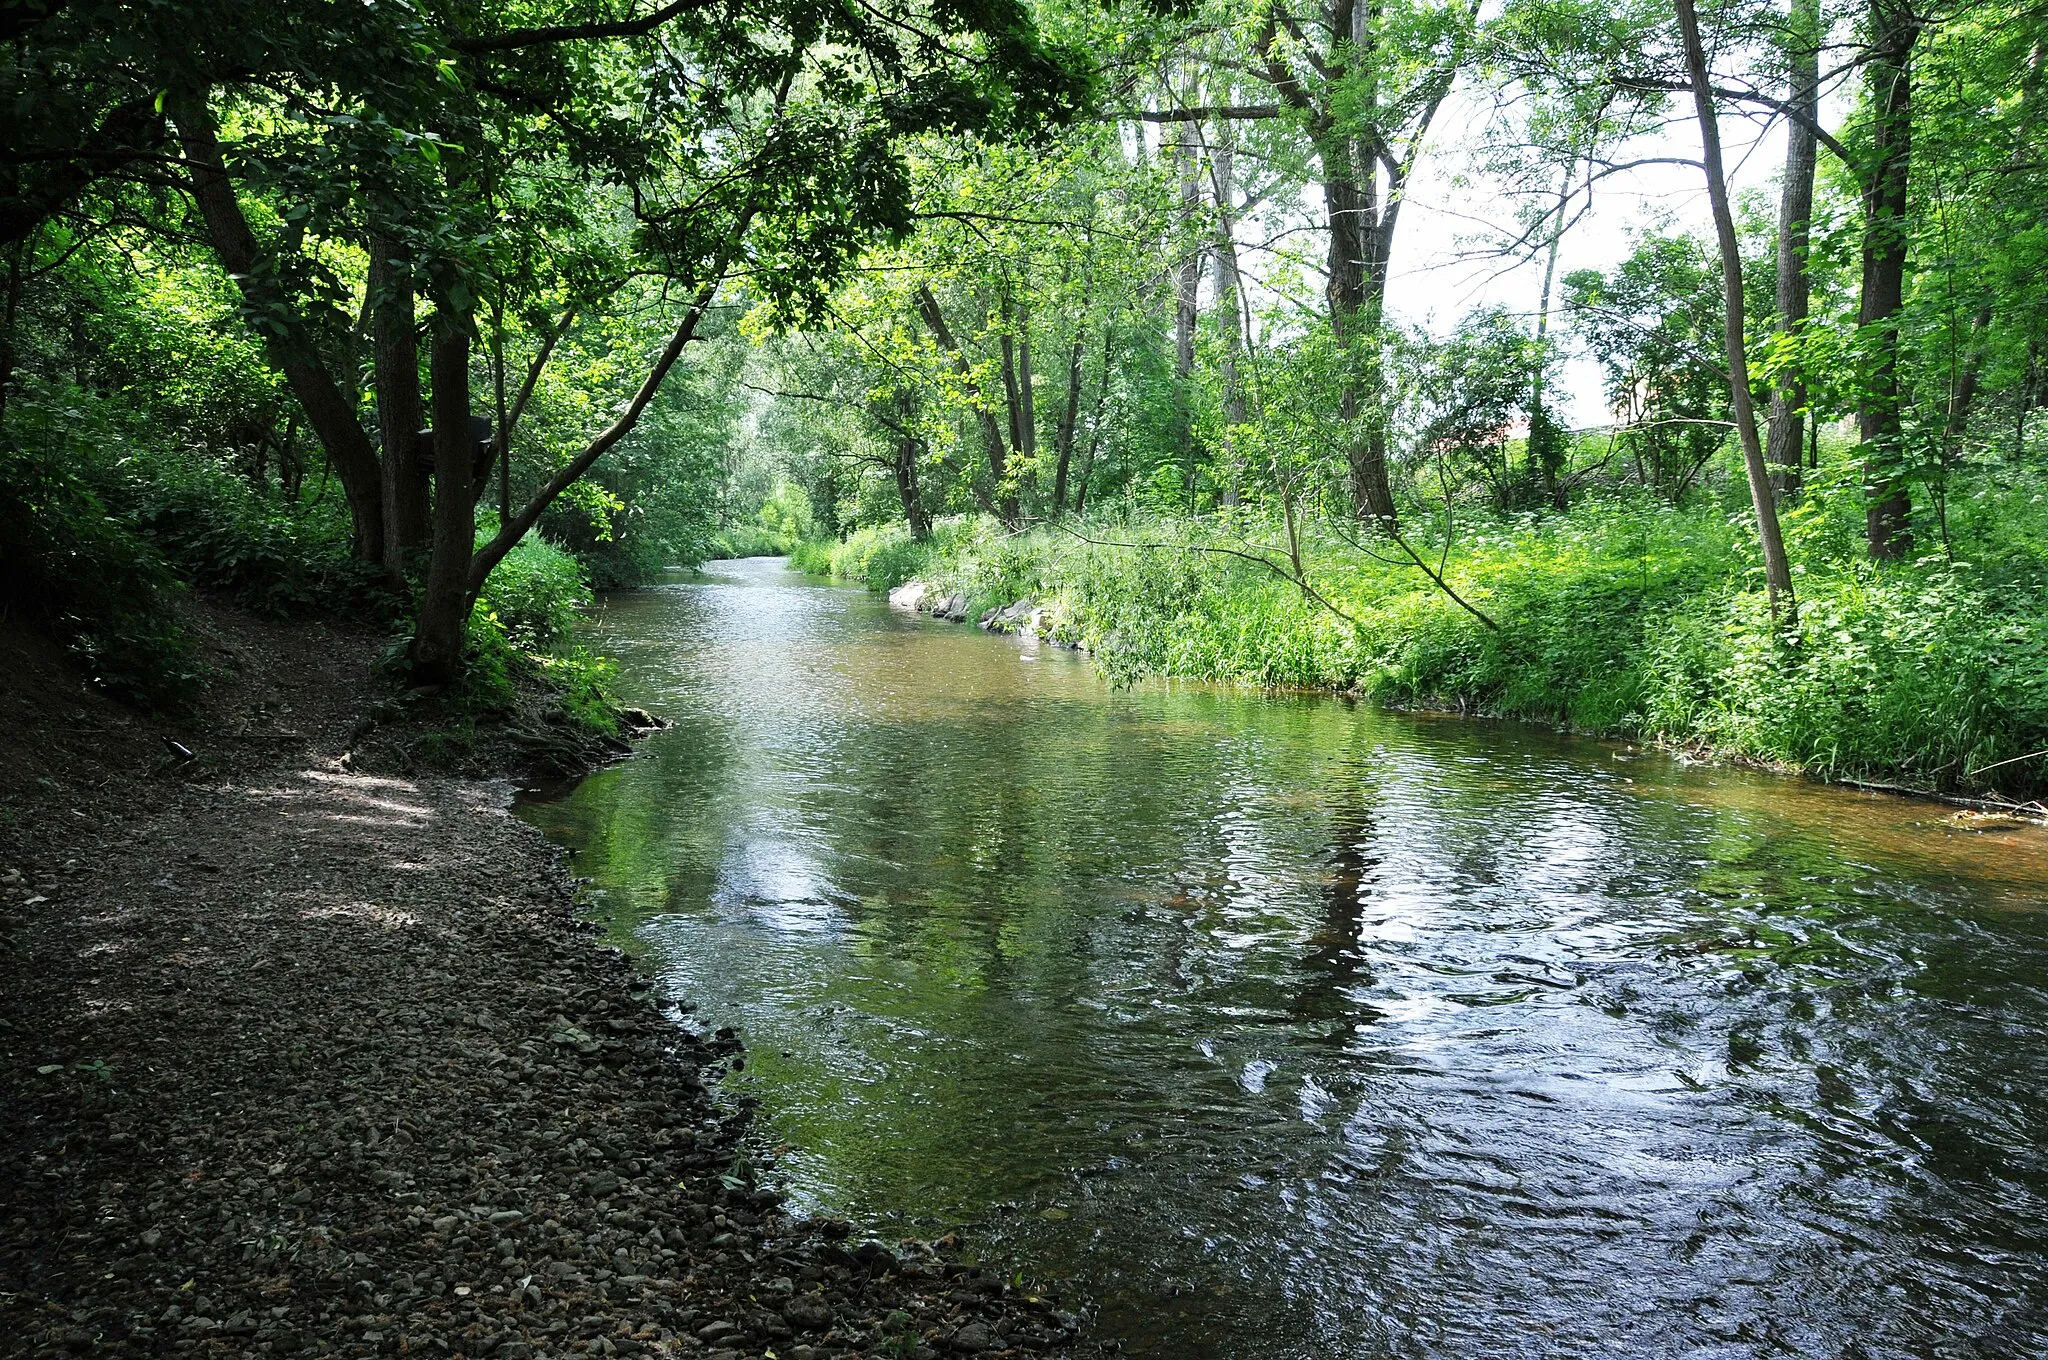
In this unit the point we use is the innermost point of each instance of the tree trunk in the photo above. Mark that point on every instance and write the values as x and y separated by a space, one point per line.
1546 438
1795 234
1027 396
328 409
1187 296
1888 505
1070 413
1095 421
1967 382
1012 404
1354 319
1777 573
444 605
907 446
20 256
1229 303
395 364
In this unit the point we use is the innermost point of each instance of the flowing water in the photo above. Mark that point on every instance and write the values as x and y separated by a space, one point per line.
1280 1027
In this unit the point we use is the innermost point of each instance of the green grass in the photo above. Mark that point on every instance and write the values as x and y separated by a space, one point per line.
1623 617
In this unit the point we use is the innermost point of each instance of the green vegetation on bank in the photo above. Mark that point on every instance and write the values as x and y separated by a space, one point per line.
1623 617
97 546
443 316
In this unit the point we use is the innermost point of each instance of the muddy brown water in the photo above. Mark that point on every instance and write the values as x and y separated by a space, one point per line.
1281 1027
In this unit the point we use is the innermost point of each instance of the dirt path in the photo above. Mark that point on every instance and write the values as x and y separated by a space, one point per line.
304 1060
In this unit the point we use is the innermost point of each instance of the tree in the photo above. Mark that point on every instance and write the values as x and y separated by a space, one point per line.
1777 571
793 185
1894 29
1801 48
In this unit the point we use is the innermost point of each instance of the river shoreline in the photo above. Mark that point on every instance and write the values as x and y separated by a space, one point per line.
309 1060
1024 615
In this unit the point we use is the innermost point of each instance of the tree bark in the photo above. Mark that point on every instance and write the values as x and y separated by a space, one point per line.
1888 504
395 367
1070 413
1095 421
328 409
1777 573
1355 308
20 256
1012 405
1795 228
444 605
1187 296
1546 438
1027 393
1967 382
907 448
1229 304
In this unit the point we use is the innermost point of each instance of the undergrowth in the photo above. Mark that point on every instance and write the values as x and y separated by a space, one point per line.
102 528
1624 617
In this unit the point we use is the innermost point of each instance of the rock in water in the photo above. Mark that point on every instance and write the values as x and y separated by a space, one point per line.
909 596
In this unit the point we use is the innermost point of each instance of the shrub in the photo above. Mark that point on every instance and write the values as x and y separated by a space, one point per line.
536 593
812 556
70 567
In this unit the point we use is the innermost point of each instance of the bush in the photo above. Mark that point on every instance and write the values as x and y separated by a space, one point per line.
782 527
747 540
812 556
75 571
535 594
99 526
1918 674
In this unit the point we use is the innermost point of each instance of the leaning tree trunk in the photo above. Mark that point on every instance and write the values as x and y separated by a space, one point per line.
328 409
395 360
1880 420
934 317
1777 573
1795 234
444 605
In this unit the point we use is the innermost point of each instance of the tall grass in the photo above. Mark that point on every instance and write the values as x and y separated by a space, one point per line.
1623 617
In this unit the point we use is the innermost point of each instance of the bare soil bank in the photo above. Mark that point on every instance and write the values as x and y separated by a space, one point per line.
304 1060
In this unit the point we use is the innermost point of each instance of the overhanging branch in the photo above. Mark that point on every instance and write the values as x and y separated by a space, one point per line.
519 38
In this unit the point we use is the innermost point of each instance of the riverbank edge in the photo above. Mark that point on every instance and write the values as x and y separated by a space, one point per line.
308 1060
1026 615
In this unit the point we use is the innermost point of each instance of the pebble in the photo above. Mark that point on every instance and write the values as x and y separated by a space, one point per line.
368 1086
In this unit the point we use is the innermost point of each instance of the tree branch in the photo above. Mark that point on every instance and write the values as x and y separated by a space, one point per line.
519 38
509 534
1235 112
1797 115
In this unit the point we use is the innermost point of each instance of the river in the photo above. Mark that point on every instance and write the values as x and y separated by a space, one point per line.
1281 1027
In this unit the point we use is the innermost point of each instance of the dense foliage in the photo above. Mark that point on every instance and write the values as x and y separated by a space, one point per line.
1079 301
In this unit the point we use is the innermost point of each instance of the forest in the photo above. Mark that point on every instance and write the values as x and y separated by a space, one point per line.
1501 808
1158 315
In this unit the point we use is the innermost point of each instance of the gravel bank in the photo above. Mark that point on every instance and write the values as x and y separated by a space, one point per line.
301 1060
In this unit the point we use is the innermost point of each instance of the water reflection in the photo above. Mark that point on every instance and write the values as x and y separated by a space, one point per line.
1290 1029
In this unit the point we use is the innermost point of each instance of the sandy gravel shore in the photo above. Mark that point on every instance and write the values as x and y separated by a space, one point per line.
303 1060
